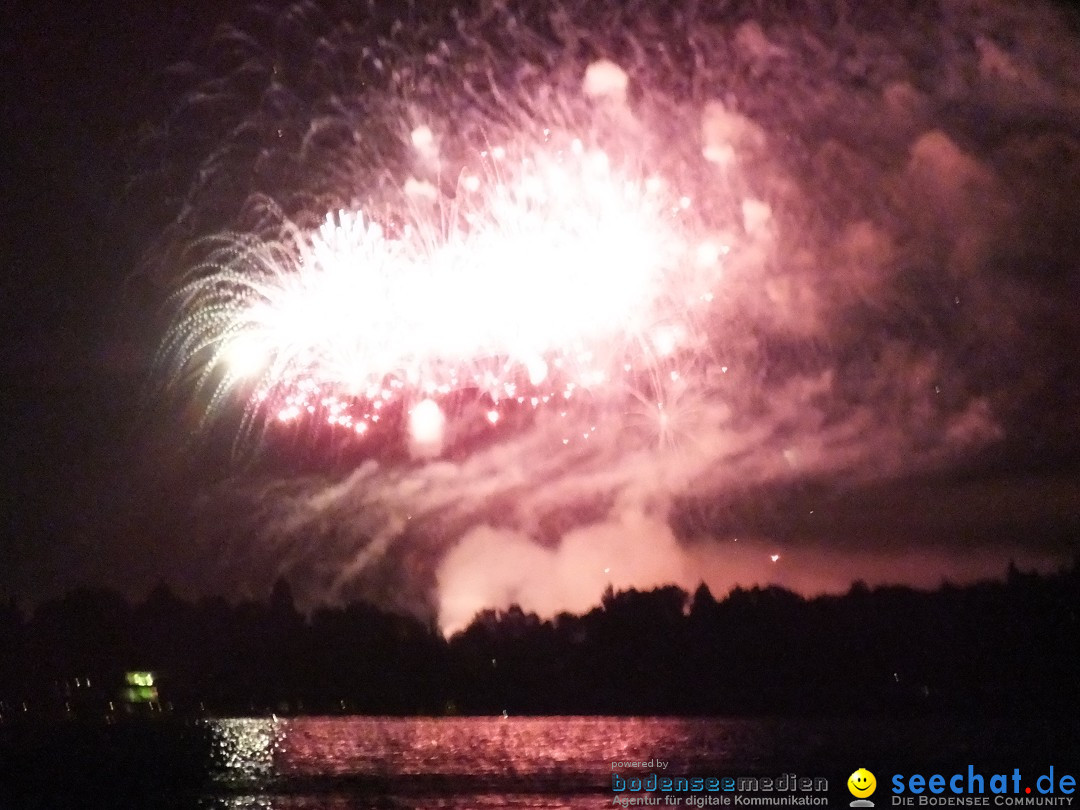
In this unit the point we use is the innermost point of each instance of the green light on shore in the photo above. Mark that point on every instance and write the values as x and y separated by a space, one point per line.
140 694
140 687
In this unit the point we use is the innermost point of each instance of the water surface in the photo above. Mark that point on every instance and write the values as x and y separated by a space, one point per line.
567 762
349 763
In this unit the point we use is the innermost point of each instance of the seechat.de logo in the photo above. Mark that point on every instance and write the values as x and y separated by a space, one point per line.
862 784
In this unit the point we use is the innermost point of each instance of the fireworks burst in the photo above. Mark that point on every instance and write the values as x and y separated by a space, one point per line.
550 273
657 257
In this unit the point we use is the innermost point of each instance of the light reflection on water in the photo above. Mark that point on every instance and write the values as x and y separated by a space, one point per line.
347 763
477 747
244 747
354 762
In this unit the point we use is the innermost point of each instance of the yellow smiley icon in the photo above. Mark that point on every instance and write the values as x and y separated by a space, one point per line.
861 783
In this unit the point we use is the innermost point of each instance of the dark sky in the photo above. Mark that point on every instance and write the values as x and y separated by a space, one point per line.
98 475
76 86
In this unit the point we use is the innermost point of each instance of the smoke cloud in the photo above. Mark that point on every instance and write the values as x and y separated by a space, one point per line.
890 194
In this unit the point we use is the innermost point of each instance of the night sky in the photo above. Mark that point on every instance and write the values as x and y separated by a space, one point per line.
76 88
911 418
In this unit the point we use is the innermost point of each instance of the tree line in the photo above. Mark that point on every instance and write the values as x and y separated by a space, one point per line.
989 648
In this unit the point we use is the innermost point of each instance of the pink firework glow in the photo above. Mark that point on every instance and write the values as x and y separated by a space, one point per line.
513 302
551 272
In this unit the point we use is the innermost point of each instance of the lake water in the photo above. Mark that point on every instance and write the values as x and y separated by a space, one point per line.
566 762
346 763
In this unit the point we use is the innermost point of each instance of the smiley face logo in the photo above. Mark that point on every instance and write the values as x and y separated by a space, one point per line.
861 783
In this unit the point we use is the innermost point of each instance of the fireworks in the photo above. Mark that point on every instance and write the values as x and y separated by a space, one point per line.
552 271
606 273
423 231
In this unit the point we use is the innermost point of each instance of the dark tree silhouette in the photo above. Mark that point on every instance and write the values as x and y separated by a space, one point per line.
992 648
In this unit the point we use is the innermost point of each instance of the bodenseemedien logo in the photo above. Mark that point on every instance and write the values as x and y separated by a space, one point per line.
862 785
649 789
